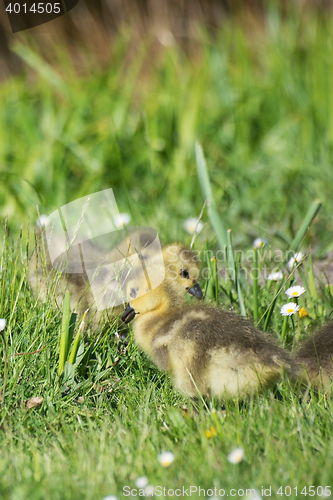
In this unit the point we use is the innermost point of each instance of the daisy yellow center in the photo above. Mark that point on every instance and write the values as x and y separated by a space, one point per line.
290 310
295 293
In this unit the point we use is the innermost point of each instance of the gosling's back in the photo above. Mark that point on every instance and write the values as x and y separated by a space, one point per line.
212 351
314 359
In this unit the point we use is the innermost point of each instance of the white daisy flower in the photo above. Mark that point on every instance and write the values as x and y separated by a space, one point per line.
2 324
192 225
277 276
294 291
289 309
141 482
296 259
260 242
236 456
121 220
41 221
166 458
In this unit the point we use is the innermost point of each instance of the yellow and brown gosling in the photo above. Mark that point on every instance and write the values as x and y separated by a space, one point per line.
205 349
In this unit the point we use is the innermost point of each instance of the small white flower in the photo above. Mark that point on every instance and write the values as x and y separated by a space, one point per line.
166 458
289 309
2 324
236 456
294 291
121 220
141 482
192 225
295 260
260 242
42 221
110 497
277 276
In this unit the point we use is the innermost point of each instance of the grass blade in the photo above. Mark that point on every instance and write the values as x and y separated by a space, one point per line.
207 192
72 357
46 71
230 255
255 286
312 284
5 368
216 282
239 289
64 338
308 219
209 292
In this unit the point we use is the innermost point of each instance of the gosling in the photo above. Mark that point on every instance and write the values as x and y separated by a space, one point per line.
207 351
180 262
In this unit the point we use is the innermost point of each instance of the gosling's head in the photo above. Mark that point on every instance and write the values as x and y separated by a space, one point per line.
143 299
183 266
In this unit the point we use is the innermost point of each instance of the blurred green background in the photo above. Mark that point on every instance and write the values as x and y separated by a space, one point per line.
86 109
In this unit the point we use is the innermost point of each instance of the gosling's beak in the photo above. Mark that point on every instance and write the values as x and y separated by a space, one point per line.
128 314
196 291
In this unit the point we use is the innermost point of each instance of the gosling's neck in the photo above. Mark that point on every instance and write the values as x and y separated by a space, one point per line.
148 323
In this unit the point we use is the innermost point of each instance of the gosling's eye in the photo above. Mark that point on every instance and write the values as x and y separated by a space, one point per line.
184 273
133 293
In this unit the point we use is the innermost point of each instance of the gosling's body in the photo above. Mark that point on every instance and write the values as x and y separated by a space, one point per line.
205 349
314 359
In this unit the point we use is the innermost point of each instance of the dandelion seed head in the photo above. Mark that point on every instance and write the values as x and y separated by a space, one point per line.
2 324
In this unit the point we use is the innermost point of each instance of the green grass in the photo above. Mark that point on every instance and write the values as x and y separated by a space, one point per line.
261 107
104 426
